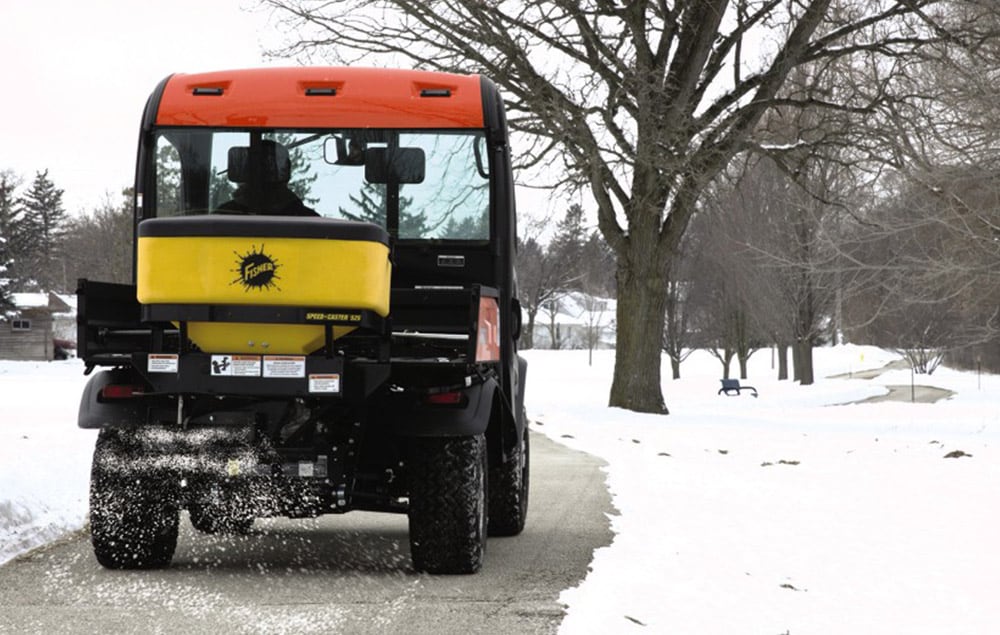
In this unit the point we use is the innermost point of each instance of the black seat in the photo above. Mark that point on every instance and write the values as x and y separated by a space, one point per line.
262 172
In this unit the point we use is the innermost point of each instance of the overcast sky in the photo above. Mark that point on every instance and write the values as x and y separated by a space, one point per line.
76 75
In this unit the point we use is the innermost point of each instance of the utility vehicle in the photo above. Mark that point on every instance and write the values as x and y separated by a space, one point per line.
323 315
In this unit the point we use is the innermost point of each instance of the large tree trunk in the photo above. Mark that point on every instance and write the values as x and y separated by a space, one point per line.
727 360
804 357
796 361
528 332
640 319
782 361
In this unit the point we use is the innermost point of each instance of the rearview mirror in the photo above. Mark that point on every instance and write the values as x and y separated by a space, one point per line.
401 165
479 150
343 151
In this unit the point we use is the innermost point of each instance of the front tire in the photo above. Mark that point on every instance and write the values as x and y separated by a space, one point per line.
448 504
509 492
133 515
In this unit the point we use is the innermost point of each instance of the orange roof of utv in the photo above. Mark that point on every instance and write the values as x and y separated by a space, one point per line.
322 98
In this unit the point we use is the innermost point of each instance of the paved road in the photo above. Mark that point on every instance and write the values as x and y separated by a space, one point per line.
347 574
898 364
918 394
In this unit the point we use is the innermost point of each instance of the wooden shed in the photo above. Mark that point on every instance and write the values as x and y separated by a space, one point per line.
29 333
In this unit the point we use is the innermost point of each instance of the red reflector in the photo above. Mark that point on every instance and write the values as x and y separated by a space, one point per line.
445 398
118 391
488 331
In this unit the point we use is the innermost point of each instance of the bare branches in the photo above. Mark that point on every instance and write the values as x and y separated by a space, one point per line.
647 102
619 89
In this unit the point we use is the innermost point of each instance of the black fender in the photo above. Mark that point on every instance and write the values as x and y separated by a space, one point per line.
473 417
508 420
95 413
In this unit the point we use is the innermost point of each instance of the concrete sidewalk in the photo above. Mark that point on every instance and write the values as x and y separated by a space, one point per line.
898 392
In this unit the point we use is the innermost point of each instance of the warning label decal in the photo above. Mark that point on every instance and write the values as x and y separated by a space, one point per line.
329 384
287 366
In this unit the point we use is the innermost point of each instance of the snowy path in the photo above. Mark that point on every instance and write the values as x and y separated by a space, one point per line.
346 574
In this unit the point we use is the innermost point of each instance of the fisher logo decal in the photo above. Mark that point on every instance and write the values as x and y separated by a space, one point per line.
257 270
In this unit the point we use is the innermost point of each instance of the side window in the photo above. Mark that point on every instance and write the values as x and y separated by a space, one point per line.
20 325
191 170
168 179
452 202
221 189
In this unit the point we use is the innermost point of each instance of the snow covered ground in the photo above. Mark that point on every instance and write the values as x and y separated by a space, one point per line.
781 514
44 457
786 513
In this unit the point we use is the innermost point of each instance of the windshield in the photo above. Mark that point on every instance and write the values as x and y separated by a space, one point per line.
416 184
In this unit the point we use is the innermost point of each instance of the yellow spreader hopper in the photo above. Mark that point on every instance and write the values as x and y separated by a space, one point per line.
319 269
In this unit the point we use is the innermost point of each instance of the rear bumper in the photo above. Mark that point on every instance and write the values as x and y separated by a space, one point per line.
261 375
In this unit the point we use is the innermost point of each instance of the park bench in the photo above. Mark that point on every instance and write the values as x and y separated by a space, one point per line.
732 386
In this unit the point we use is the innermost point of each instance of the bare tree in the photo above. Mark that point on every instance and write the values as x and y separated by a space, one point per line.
937 258
723 274
801 264
924 257
547 272
677 326
751 210
784 210
99 244
593 326
553 309
538 284
644 102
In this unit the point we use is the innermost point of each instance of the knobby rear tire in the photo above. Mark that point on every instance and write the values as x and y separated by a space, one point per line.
133 514
448 504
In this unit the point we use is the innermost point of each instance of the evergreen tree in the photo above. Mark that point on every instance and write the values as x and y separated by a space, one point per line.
567 248
221 190
7 220
370 206
411 225
582 259
469 228
9 228
6 303
302 181
168 180
9 212
598 266
42 225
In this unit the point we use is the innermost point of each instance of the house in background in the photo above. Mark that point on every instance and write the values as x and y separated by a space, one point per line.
40 328
575 320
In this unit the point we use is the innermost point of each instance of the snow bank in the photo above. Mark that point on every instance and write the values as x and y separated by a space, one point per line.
44 457
785 513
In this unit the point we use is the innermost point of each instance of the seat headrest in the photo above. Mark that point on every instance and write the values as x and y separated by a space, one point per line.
269 160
